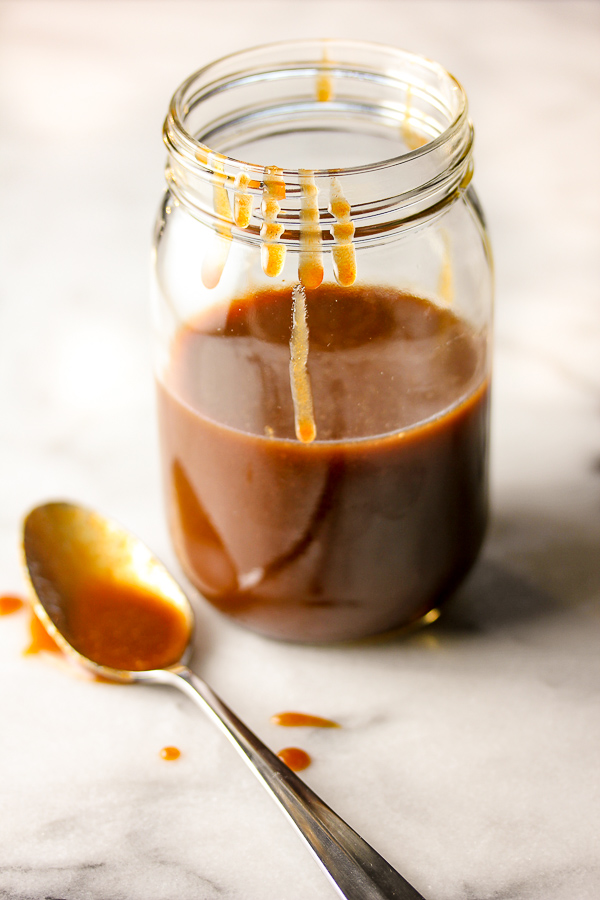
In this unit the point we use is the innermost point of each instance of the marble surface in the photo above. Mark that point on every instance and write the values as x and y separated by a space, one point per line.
469 753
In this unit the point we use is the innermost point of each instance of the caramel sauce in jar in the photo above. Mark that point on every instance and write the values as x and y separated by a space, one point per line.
324 393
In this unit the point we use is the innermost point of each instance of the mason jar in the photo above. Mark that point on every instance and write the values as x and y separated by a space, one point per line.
323 310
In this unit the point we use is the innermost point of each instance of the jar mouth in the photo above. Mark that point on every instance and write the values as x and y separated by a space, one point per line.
391 126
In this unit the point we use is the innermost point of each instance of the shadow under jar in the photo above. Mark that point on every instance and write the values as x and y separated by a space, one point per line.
323 303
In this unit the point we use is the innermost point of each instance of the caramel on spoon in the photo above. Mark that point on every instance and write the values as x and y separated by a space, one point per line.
111 605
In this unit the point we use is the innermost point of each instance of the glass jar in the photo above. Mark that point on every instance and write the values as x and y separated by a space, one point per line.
323 304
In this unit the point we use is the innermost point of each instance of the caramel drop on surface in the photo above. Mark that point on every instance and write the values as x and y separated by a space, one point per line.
295 758
272 252
306 429
218 248
302 720
344 258
170 753
310 266
40 640
10 603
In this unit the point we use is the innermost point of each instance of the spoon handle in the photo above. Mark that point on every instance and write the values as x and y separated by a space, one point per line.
356 870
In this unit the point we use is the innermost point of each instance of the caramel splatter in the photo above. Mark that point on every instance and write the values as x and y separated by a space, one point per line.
170 753
40 640
10 603
295 758
302 720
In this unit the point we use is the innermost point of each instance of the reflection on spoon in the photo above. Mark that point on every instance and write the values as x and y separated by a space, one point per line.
110 604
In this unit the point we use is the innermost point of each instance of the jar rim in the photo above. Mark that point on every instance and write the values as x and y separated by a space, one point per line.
178 138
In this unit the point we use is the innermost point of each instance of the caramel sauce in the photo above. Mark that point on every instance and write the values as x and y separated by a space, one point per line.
310 266
39 639
301 720
371 524
123 626
170 753
446 278
218 251
242 200
295 758
412 138
304 419
10 603
324 84
344 260
272 252
324 88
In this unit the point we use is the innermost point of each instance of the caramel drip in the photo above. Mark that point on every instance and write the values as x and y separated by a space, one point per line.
10 603
446 278
410 135
170 753
324 85
242 200
344 260
295 758
302 720
218 250
310 266
272 252
306 430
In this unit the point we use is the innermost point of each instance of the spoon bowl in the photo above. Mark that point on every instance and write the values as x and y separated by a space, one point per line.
112 607
102 595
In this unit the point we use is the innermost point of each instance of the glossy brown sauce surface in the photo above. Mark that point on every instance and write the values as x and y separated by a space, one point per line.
10 603
295 758
301 720
123 626
369 525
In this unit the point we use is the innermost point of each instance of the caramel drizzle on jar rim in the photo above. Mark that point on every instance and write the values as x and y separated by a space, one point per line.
310 264
344 259
218 248
272 251
446 276
412 138
242 200
324 83
304 419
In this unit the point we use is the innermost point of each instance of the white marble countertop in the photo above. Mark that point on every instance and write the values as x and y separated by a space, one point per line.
470 752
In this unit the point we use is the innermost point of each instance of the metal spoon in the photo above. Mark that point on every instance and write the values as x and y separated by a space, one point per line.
64 547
